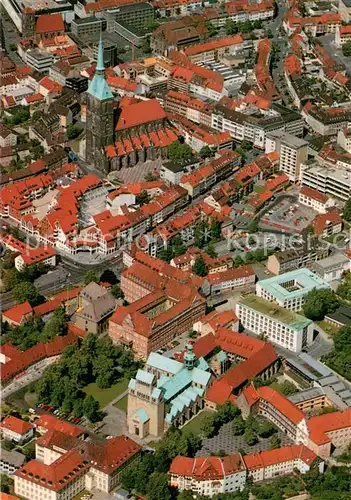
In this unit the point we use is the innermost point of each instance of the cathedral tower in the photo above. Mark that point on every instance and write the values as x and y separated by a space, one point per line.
100 115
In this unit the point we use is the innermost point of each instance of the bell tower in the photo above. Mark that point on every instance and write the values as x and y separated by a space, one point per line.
100 115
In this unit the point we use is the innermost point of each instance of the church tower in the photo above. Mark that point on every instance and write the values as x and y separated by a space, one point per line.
100 115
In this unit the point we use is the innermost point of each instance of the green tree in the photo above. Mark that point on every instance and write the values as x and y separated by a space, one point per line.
200 267
152 25
117 292
6 483
319 302
226 412
26 291
146 46
206 152
207 426
158 486
78 408
72 131
266 429
346 213
178 151
143 198
212 30
250 436
56 326
13 47
215 228
346 49
91 408
238 261
210 250
238 426
230 27
91 276
108 276
275 442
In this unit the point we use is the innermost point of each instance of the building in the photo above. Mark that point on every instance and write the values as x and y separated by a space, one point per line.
344 8
95 307
110 53
324 120
328 224
293 258
77 83
39 60
15 429
341 317
292 150
155 319
344 139
228 280
326 432
214 50
87 27
288 290
166 392
65 467
270 464
48 422
137 16
310 400
314 199
18 314
332 268
10 462
280 326
330 180
7 137
208 475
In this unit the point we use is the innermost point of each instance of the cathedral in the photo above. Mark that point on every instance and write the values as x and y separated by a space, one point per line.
125 132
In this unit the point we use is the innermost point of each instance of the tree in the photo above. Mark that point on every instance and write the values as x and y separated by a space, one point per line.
36 115
230 27
200 267
212 30
108 276
26 291
29 451
91 408
78 408
150 177
226 412
250 436
56 326
207 426
319 302
91 276
215 228
238 261
206 152
238 426
72 131
339 358
146 46
275 442
269 33
143 198
266 429
6 483
210 250
158 486
346 213
178 151
346 49
152 24
117 292
13 47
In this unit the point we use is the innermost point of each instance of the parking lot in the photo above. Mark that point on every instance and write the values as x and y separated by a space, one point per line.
288 216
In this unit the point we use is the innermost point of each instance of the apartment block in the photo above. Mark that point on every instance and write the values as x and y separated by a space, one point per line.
314 199
280 326
294 258
293 152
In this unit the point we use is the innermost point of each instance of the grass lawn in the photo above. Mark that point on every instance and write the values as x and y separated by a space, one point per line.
329 329
104 396
195 424
122 404
22 398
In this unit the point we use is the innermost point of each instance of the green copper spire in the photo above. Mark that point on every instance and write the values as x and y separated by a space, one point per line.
98 87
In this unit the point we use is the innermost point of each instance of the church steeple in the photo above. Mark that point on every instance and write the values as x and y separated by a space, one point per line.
98 87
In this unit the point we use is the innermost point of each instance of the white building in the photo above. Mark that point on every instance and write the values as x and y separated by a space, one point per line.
288 290
334 181
208 475
344 139
281 326
15 429
293 152
316 200
332 267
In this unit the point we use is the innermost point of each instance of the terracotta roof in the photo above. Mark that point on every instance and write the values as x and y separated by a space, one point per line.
231 274
320 425
281 403
5 496
255 461
206 468
49 23
322 221
214 44
17 313
314 194
16 425
50 422
142 112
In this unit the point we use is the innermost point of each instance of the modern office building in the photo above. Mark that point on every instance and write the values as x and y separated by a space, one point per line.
293 152
280 326
289 289
87 27
137 15
330 180
39 60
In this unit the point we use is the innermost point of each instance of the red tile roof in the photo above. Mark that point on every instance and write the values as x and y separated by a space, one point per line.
214 45
206 468
139 113
231 274
5 496
320 425
322 221
50 422
49 23
281 403
255 461
314 194
16 425
17 313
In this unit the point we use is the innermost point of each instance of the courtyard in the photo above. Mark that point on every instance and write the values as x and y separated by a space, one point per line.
227 442
105 396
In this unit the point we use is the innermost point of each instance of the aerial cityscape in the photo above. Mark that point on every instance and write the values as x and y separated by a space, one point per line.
175 256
